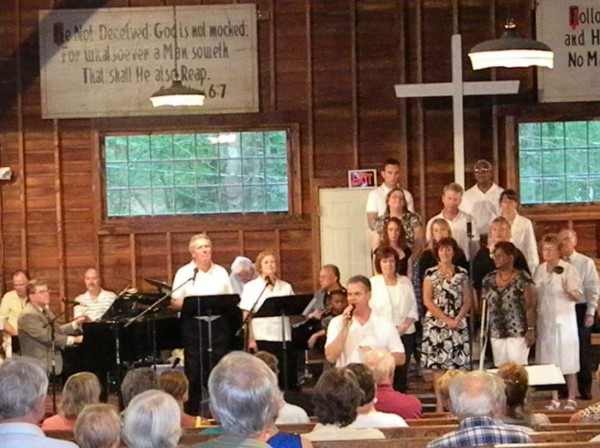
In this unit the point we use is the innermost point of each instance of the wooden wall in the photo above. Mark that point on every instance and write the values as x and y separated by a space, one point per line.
327 67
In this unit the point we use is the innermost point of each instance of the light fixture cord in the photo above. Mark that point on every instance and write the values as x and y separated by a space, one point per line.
175 57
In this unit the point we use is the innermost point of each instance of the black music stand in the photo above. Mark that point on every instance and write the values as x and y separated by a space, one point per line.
284 306
196 309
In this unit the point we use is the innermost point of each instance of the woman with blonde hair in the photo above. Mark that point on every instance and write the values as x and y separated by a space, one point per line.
79 390
517 410
176 384
440 228
265 333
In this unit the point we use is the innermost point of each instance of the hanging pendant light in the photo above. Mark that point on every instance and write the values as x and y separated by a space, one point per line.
177 94
511 50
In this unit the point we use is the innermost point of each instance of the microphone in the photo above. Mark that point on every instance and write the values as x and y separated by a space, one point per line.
352 311
469 227
195 274
176 362
70 302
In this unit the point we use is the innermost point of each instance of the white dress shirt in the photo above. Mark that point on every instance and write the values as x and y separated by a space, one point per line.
484 207
266 328
590 283
377 332
523 237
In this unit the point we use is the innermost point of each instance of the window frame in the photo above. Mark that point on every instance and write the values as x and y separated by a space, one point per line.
217 221
515 114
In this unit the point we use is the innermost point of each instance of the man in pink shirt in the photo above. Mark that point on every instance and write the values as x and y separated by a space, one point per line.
388 400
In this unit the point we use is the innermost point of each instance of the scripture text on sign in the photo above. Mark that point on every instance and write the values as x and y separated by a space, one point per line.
572 29
98 63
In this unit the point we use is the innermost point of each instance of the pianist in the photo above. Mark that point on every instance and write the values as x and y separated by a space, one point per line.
201 277
35 334
95 301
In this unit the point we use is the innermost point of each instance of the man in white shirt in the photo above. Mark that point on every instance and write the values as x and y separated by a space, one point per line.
482 200
465 229
585 307
359 330
201 277
95 301
13 303
376 201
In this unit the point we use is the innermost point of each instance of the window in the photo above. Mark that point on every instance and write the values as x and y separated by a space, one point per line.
184 174
559 162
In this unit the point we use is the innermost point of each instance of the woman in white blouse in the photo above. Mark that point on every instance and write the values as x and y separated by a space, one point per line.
521 228
265 333
557 284
392 296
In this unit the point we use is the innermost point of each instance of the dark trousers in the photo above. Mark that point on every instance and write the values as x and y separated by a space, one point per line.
584 377
198 358
276 348
401 372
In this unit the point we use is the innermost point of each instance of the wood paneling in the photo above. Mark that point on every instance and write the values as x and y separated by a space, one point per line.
327 70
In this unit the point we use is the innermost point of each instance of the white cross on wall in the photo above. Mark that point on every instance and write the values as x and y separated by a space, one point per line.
457 89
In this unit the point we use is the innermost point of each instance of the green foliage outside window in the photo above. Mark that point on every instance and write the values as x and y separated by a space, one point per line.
186 174
559 162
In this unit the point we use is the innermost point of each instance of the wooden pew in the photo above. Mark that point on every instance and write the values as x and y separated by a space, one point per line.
432 421
431 432
550 445
420 442
62 435
567 426
554 436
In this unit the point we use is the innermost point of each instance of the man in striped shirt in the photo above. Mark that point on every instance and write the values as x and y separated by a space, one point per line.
95 301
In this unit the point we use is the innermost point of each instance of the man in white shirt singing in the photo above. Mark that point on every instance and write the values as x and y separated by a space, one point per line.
358 329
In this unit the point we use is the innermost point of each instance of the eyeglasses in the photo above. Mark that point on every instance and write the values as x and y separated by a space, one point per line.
483 169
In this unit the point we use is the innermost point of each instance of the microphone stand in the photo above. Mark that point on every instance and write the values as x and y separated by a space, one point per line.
153 307
471 319
50 324
246 322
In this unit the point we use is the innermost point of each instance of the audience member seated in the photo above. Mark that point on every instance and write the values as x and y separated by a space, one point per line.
245 399
443 386
591 414
516 380
79 390
23 386
478 399
137 381
368 416
336 398
388 400
289 413
98 426
152 420
176 384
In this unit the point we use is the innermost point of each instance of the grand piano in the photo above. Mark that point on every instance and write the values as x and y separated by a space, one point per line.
109 346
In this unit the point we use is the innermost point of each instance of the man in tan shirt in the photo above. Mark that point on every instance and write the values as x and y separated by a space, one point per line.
11 307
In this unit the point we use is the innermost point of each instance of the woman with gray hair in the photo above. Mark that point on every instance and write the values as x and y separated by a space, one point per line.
152 420
98 426
79 390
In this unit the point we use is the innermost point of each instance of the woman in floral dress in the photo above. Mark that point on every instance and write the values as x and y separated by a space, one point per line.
447 297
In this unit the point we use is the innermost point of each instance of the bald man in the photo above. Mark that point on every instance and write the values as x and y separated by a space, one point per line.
95 301
585 307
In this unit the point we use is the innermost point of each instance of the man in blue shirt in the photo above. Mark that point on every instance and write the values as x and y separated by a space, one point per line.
23 387
478 399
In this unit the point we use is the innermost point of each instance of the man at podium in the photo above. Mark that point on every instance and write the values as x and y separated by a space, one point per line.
201 277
